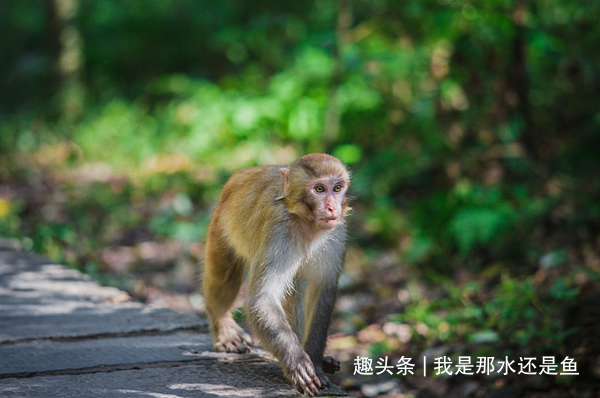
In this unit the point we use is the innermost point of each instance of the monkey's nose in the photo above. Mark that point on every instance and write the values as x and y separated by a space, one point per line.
331 209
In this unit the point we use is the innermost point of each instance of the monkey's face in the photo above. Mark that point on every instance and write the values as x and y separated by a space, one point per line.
326 198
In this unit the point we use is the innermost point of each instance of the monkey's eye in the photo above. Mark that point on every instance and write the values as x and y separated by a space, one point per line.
319 189
337 188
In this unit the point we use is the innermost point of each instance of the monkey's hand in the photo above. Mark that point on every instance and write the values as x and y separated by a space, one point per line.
232 338
330 365
301 373
322 378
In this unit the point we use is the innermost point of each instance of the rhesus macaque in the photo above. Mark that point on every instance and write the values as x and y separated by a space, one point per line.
286 225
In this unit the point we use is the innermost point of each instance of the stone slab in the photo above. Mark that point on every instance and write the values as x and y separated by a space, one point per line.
200 380
44 356
34 276
23 319
41 300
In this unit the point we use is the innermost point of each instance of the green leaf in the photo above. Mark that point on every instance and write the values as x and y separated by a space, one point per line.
475 225
484 336
348 153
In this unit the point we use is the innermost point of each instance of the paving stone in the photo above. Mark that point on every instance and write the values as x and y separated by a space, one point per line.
34 276
202 379
43 356
40 300
27 318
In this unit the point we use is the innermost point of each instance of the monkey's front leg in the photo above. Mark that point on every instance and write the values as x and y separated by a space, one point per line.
268 320
320 299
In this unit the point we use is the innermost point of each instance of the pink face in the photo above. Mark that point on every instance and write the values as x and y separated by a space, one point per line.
328 196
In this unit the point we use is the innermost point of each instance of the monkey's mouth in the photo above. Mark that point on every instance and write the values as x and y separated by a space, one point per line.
330 221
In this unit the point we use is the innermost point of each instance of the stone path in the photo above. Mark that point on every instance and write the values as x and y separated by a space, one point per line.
63 335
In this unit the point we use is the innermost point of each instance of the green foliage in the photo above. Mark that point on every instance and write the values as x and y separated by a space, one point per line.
176 221
481 216
471 226
516 314
348 153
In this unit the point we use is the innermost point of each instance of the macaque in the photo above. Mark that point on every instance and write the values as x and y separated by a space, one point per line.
286 225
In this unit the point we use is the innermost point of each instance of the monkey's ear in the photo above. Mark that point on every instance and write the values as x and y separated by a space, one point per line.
286 179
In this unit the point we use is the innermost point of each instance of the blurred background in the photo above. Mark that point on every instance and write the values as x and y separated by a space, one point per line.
472 129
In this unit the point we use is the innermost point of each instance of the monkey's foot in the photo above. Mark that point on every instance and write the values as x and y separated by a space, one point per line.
323 379
303 377
330 365
232 338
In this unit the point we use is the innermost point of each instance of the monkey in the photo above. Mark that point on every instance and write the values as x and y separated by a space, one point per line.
285 225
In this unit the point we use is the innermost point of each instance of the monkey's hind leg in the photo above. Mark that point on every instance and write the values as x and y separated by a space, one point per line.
223 274
330 365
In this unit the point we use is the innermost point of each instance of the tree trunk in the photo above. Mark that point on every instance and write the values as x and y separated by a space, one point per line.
332 118
65 44
519 81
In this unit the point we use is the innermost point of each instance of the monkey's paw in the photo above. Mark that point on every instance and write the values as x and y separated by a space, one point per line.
330 365
232 338
303 377
322 378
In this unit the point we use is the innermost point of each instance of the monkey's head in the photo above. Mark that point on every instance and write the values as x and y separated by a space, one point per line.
316 190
